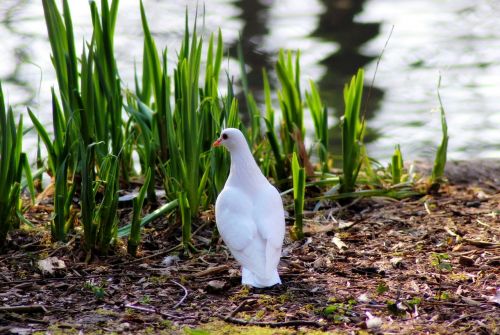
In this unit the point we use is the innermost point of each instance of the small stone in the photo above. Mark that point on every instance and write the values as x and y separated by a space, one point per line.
363 298
373 323
474 203
319 263
170 260
481 195
216 285
124 326
397 262
50 265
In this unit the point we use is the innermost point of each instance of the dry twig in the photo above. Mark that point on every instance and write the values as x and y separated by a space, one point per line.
468 316
185 294
150 310
292 323
24 309
210 271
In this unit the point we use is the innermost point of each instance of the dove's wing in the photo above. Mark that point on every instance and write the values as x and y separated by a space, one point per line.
269 217
235 221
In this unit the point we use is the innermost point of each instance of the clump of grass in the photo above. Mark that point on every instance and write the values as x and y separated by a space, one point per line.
88 130
59 150
352 133
172 121
12 162
99 217
184 131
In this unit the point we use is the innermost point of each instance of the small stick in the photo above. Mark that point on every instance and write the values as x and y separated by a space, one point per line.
150 310
467 316
477 243
142 309
237 309
24 320
375 73
209 271
24 309
154 255
482 244
292 323
79 277
185 294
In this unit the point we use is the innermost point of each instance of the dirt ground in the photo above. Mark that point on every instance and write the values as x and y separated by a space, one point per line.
425 265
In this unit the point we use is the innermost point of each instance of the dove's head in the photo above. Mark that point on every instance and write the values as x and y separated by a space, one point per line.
232 139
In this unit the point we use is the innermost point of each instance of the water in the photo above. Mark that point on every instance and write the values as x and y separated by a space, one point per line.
453 38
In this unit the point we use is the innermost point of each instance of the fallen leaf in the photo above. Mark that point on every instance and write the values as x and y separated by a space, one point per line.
496 298
373 321
345 224
50 264
338 243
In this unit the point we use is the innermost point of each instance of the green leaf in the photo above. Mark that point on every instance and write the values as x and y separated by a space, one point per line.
382 288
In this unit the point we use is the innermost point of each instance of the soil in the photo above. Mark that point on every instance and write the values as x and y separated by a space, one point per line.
418 266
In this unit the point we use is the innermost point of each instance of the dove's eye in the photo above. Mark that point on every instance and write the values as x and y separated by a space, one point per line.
224 136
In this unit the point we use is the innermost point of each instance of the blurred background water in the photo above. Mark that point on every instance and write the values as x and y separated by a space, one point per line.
458 39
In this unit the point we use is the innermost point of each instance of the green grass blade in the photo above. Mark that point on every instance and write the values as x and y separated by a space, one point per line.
162 210
135 229
299 180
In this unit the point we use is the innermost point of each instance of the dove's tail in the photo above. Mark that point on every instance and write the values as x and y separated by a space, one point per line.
249 278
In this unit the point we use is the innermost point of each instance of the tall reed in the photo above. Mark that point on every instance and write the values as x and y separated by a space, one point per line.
299 184
319 114
352 133
440 159
290 100
184 130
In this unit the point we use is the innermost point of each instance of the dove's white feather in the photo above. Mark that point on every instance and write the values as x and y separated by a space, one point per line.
249 214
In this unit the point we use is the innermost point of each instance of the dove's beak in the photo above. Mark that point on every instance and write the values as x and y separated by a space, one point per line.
217 143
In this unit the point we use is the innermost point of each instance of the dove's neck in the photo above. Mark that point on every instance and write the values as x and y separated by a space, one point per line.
244 170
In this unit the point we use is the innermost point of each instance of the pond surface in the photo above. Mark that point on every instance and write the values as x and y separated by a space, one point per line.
457 39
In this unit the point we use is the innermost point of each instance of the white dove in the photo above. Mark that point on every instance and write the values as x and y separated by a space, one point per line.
249 214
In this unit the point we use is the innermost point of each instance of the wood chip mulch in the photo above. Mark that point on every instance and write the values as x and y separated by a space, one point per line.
418 266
